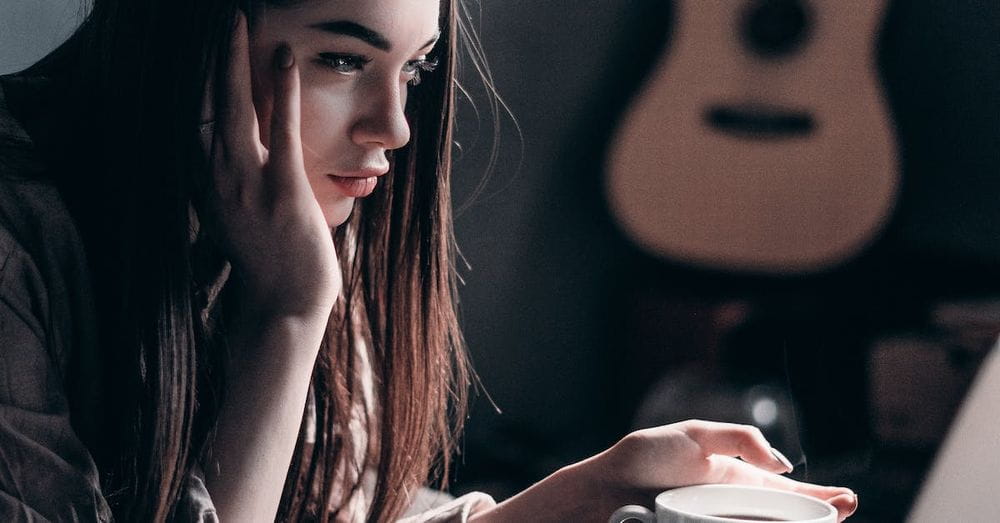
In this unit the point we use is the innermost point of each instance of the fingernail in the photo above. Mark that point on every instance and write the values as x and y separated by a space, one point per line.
852 494
283 57
782 459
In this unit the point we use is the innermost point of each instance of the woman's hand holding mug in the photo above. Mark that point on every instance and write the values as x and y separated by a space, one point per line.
648 461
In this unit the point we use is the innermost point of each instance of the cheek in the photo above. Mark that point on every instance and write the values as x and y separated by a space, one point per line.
325 125
326 146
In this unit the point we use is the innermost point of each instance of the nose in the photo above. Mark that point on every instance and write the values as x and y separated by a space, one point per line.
382 122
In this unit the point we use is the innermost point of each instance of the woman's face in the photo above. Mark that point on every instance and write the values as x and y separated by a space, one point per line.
357 60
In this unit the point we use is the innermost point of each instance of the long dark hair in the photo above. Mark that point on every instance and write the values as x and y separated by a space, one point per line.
127 89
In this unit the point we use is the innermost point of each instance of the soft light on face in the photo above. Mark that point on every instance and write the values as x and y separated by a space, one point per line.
357 60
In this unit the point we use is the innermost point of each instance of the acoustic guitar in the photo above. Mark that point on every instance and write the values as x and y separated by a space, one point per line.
761 141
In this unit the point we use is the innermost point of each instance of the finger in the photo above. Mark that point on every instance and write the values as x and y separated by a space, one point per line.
285 153
208 96
846 504
744 441
724 469
206 129
237 118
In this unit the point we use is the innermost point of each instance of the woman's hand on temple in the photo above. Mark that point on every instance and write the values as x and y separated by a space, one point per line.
261 203
696 452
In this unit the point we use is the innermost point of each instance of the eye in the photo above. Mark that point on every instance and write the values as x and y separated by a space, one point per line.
344 63
413 68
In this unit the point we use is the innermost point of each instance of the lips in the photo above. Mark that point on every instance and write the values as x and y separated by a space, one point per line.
355 186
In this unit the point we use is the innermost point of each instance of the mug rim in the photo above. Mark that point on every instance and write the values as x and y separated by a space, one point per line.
659 502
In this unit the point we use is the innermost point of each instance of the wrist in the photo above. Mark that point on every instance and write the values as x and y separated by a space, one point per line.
576 492
272 300
597 484
276 340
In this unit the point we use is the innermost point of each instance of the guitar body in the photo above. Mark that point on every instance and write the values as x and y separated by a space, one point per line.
759 157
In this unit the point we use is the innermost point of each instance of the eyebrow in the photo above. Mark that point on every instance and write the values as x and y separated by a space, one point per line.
365 34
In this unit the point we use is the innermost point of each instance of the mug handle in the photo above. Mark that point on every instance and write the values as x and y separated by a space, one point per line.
628 512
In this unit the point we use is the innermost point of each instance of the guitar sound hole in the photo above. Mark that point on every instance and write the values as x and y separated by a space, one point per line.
772 28
758 122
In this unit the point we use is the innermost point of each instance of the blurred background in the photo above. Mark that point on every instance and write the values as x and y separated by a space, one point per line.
773 212
582 330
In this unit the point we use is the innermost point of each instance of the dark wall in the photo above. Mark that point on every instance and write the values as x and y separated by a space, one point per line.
941 64
542 251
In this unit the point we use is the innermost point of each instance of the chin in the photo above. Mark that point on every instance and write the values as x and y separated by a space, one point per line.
338 212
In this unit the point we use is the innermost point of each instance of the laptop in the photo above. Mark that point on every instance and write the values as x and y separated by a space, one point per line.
964 480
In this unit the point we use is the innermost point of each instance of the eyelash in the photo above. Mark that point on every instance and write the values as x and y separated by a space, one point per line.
349 63
415 67
344 63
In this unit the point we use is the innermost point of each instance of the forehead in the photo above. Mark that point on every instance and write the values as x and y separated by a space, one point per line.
394 18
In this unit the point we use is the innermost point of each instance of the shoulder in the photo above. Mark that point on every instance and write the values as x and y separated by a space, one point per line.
44 278
33 217
37 236
17 152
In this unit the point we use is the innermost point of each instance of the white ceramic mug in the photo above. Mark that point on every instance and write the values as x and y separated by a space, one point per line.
729 504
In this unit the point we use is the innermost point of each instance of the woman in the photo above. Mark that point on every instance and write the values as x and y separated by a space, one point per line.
184 337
